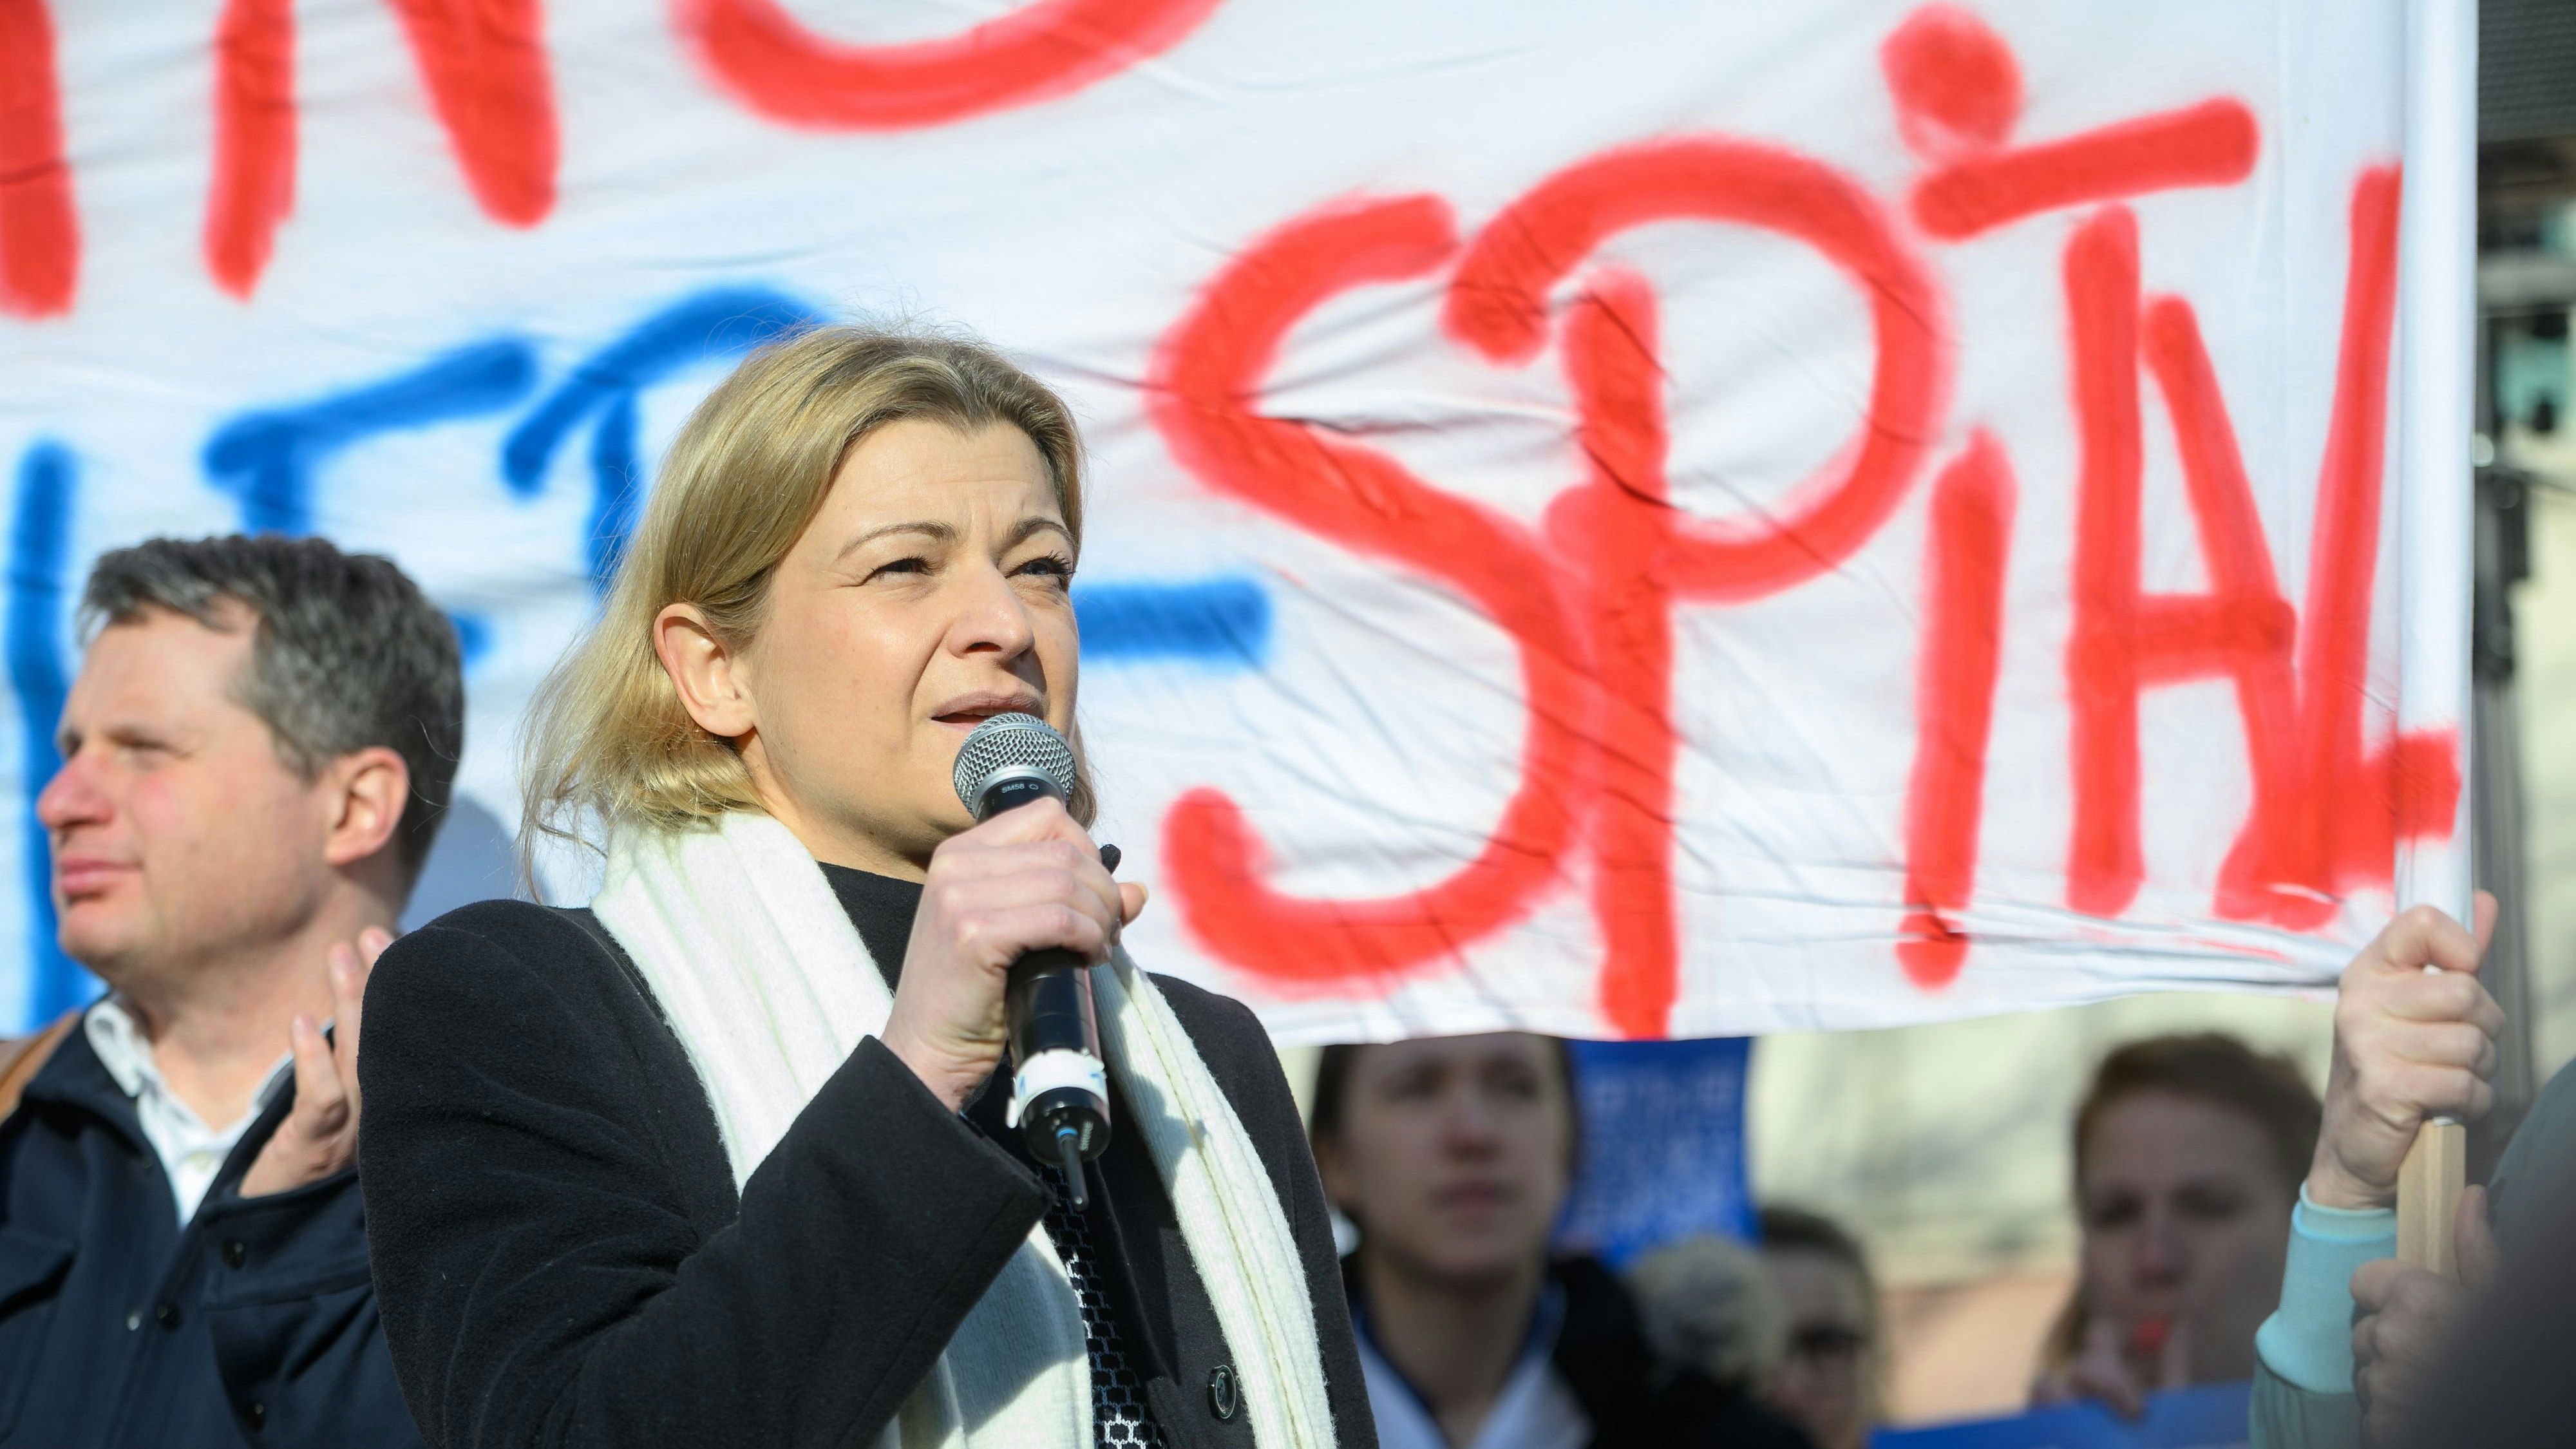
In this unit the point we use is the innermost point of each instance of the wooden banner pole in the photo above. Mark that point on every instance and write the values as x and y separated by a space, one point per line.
2428 1196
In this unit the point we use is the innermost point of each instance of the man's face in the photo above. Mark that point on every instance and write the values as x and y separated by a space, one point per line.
178 833
1452 1153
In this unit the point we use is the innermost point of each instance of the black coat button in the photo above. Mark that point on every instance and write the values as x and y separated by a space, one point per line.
1222 1400
255 1413
167 1315
234 1253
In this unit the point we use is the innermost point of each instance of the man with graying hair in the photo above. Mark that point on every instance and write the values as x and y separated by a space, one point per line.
256 756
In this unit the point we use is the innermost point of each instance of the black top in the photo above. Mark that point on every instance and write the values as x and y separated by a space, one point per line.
882 908
562 1259
1602 1357
254 1322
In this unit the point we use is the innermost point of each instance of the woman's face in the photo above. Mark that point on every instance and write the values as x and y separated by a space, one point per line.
928 594
2186 1224
1451 1153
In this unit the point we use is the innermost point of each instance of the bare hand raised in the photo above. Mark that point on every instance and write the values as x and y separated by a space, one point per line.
320 1134
1025 880
2409 1044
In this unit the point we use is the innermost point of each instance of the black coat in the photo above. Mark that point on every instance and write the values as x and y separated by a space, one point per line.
563 1260
255 1324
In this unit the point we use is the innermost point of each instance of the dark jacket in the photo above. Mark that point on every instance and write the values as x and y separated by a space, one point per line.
1602 1356
563 1258
255 1325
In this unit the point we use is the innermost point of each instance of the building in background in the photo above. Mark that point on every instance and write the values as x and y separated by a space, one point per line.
2526 291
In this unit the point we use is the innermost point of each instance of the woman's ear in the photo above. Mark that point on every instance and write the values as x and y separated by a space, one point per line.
714 687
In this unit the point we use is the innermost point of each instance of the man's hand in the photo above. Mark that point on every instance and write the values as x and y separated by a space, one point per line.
2406 1314
320 1134
2409 1044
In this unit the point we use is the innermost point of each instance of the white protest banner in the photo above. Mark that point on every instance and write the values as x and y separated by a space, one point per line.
1624 519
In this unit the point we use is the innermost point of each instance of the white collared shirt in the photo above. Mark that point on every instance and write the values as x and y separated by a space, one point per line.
191 1152
1535 1409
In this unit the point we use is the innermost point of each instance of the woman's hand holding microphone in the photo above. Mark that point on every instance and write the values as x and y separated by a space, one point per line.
1025 880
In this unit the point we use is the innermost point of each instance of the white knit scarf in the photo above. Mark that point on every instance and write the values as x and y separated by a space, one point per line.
769 989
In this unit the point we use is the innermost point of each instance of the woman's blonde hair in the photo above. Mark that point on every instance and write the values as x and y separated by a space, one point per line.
608 746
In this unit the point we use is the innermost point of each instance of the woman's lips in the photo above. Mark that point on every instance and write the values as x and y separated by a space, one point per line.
967 713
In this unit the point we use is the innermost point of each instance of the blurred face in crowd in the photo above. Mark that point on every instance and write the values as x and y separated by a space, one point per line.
2186 1224
1828 1379
1452 1154
931 592
178 831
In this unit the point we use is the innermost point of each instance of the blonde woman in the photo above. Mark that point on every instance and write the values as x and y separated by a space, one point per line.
721 1160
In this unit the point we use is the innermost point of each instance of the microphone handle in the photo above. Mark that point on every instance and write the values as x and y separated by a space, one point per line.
1059 1087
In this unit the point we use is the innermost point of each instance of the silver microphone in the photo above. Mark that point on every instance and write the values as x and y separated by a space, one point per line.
1059 1085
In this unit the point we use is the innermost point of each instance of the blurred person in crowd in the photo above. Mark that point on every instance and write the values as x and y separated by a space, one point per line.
2360 1344
1453 1157
1830 1374
256 756
2188 1154
1707 1305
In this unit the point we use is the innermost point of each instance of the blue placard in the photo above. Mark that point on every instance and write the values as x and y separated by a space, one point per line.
1663 1145
2212 1416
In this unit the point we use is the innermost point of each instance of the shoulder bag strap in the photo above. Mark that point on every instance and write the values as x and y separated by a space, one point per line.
22 1057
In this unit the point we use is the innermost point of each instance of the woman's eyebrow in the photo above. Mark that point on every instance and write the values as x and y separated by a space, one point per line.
1025 527
936 531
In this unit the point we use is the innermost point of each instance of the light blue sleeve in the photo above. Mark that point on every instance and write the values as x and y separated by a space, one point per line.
2308 1340
2285 1416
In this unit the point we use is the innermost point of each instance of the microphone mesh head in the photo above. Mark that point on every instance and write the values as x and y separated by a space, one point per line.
1011 743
